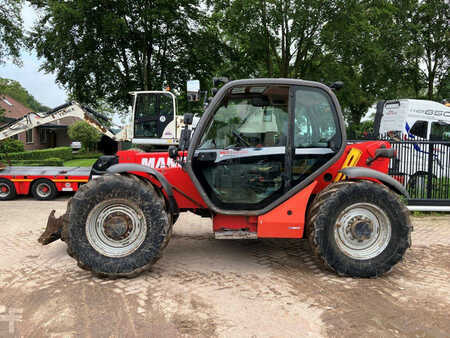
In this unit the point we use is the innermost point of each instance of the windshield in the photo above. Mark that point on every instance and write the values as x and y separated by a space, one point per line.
253 120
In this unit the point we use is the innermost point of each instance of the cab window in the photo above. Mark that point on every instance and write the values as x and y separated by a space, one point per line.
315 123
420 129
440 131
146 116
252 120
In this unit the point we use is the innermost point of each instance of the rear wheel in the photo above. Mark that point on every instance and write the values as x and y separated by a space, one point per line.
44 190
117 226
359 229
7 190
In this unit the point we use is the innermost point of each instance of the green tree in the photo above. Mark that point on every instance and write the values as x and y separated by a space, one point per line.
364 46
430 36
11 30
272 38
10 145
82 132
103 50
15 90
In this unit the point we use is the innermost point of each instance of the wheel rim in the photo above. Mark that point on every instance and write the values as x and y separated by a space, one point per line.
362 231
115 228
43 190
4 190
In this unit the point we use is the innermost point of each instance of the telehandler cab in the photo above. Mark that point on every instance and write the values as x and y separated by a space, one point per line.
268 159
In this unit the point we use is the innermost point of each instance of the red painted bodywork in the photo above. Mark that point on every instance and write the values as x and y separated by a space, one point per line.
277 222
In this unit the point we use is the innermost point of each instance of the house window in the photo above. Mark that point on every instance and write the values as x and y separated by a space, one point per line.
15 137
29 136
43 136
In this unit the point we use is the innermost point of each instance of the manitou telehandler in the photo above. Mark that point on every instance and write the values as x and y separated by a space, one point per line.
268 159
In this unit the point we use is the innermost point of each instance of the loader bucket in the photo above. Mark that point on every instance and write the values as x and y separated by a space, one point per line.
53 230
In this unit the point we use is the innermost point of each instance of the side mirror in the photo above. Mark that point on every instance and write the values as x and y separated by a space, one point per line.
193 89
337 85
188 118
219 80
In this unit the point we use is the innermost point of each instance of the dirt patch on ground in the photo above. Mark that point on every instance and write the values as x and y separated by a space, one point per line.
203 287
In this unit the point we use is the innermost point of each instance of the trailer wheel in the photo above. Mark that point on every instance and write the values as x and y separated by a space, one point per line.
43 190
117 226
359 229
7 190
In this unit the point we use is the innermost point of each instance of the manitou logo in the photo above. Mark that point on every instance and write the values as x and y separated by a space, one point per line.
160 162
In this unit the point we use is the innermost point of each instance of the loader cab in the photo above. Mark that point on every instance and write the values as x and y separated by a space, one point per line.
260 141
154 118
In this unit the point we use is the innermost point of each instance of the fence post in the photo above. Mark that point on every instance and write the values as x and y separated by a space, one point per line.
430 170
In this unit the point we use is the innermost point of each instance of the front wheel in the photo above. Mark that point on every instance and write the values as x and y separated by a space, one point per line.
359 229
117 226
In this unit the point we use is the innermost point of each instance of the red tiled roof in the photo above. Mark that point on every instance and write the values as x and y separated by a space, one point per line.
14 109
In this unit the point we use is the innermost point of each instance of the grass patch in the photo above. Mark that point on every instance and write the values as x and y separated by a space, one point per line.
82 162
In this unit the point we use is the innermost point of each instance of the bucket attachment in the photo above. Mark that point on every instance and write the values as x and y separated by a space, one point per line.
53 230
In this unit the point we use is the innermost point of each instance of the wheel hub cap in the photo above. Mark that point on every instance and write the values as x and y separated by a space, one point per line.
116 228
43 190
363 231
4 190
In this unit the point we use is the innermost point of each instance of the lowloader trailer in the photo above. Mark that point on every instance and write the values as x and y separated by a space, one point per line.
43 183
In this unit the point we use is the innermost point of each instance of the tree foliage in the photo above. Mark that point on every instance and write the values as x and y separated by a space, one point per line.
11 33
106 49
272 38
15 90
430 45
11 145
82 132
381 49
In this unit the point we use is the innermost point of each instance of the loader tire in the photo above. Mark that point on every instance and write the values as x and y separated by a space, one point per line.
359 229
116 226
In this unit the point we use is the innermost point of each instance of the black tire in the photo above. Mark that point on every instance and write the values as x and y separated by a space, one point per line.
43 190
326 226
110 191
7 190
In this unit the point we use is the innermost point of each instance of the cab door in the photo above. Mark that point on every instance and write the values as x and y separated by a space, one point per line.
154 117
260 143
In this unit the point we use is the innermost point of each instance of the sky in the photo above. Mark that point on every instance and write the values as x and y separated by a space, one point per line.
42 86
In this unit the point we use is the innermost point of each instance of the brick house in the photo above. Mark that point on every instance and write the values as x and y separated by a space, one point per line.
49 135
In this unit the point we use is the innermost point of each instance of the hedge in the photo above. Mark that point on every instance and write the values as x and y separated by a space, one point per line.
63 153
52 161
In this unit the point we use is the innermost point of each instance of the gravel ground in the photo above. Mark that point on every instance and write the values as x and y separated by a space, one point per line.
204 287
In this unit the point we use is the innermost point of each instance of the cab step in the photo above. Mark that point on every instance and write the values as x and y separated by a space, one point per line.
235 234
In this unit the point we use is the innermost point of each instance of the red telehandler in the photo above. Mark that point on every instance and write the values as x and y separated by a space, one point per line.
268 159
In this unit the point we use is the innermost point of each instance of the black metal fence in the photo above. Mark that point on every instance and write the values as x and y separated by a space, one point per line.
423 167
